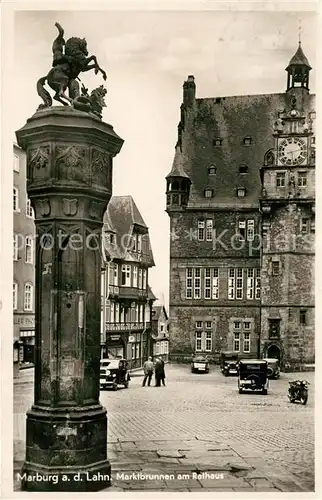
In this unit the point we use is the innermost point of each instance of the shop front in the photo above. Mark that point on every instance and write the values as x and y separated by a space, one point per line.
115 346
24 339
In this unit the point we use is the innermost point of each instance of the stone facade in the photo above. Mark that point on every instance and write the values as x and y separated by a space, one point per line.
160 332
126 295
23 265
222 292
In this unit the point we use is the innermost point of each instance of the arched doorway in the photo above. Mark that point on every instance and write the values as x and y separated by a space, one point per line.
273 351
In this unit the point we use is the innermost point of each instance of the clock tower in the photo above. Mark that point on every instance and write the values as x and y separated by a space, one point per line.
287 205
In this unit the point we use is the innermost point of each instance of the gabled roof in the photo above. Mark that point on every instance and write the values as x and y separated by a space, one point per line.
151 295
120 218
156 312
299 58
178 165
231 119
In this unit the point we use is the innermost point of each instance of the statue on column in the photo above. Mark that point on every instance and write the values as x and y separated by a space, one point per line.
70 58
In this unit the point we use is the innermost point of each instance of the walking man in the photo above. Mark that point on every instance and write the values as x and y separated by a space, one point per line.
162 370
148 371
159 372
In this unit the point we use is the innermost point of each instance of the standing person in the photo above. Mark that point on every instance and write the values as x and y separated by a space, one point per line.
162 371
148 371
158 372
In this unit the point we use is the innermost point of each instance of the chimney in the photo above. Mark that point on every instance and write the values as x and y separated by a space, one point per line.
189 91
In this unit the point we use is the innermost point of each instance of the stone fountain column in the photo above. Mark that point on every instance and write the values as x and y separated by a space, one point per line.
69 182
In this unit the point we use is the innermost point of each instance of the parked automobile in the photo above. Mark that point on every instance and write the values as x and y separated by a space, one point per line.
298 391
273 367
252 375
229 363
200 364
114 372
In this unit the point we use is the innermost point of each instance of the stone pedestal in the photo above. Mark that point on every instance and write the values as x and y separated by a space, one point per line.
69 182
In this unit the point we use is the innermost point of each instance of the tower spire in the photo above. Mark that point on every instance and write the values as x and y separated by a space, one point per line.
300 31
298 69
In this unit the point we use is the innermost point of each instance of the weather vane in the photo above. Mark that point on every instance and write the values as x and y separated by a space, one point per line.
300 31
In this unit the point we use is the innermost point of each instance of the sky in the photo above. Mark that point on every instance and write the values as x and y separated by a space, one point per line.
147 56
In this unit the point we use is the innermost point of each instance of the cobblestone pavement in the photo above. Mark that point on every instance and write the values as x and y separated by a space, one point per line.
200 426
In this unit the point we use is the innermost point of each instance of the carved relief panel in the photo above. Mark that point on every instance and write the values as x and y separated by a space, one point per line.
101 168
72 163
38 164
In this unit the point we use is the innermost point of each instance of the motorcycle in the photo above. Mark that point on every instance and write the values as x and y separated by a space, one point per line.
298 391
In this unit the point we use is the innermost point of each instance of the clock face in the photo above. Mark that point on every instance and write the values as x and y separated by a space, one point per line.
292 151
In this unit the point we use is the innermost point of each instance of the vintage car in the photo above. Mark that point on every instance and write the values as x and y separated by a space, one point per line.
200 364
273 367
252 375
114 372
229 363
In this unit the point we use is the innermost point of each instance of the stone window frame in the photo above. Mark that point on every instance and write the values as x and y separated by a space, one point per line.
197 283
29 249
189 284
258 285
210 191
303 317
198 341
276 268
305 226
211 283
253 285
239 283
203 341
279 177
243 169
246 341
208 339
28 299
247 141
302 178
241 192
250 229
201 229
16 205
29 209
209 229
236 342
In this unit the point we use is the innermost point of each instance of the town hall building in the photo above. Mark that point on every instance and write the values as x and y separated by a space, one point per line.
241 202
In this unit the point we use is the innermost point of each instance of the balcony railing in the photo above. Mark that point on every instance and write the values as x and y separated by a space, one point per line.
131 326
127 292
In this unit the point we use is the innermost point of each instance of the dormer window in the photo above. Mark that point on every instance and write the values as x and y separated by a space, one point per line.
247 141
241 192
212 170
217 142
112 239
209 193
243 169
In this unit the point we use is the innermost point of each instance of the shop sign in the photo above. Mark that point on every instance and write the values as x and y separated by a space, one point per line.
132 338
22 320
115 337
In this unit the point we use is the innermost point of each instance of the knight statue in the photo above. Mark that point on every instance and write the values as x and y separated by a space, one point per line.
70 58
